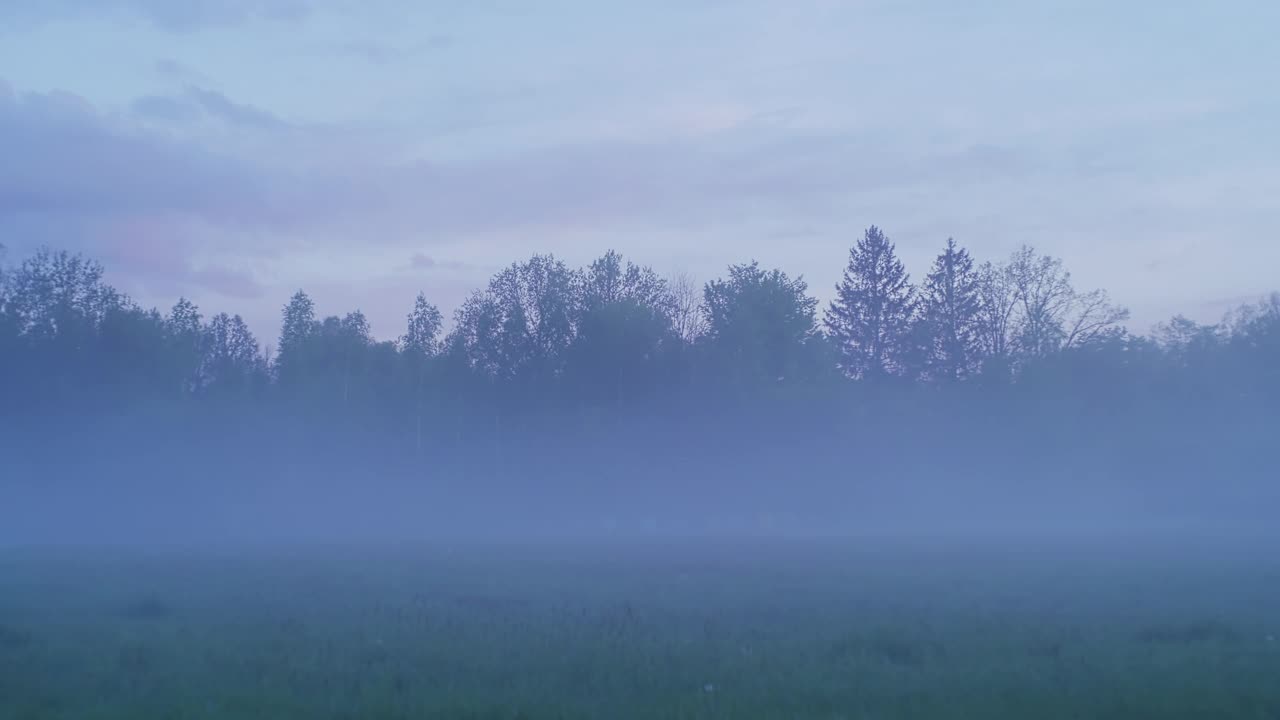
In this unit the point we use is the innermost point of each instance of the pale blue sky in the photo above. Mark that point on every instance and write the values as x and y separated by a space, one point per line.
235 150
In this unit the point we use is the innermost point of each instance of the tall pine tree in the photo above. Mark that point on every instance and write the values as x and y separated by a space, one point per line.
949 307
870 321
299 326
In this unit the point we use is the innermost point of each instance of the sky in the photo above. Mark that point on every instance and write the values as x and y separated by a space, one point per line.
234 151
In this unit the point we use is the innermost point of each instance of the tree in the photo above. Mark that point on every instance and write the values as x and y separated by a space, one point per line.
419 344
232 359
624 328
997 305
871 318
758 322
1051 314
1255 340
128 358
56 306
521 325
298 328
607 280
1042 289
353 338
688 319
186 335
423 329
1256 323
1030 310
950 304
1093 319
619 350
1187 341
60 297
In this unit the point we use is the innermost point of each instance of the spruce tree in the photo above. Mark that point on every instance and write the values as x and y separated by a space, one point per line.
949 306
870 321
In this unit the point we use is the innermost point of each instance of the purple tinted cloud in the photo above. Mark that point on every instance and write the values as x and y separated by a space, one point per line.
65 157
62 156
197 102
218 105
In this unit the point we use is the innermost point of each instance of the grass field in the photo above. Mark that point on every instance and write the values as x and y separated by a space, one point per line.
614 631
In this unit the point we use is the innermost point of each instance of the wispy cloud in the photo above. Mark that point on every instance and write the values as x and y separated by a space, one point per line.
218 105
197 102
178 16
423 261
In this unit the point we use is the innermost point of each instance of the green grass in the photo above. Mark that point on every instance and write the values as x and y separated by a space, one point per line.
791 630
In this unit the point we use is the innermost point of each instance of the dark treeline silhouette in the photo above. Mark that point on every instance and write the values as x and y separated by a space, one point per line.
981 395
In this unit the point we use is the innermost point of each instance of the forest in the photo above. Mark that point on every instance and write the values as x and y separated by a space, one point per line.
612 385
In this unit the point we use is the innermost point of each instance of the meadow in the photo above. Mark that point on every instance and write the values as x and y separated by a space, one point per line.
615 630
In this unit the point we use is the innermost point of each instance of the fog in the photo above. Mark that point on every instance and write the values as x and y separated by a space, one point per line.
751 472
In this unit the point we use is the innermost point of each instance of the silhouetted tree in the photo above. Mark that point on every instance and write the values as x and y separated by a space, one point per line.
623 329
419 343
997 308
1255 341
186 335
128 357
608 280
56 306
522 324
950 304
232 359
60 297
422 334
297 330
688 318
352 338
1051 315
758 322
619 350
870 320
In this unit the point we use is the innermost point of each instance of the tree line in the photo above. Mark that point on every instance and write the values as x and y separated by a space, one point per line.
998 369
609 333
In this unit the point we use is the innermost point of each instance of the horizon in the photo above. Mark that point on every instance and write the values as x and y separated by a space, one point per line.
267 335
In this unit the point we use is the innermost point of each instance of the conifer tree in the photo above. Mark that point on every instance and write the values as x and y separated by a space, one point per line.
949 307
870 321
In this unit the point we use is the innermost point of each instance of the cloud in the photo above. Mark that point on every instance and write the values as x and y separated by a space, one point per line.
197 102
422 261
218 105
146 204
64 157
172 15
166 108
